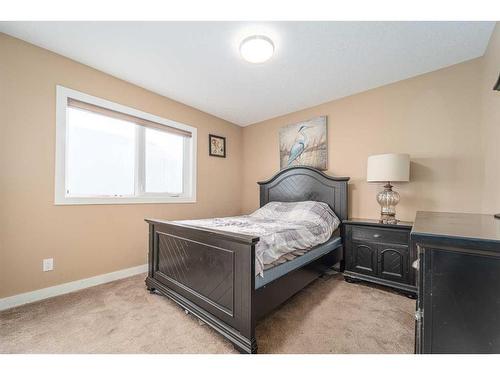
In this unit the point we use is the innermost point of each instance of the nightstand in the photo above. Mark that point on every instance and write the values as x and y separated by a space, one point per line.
380 253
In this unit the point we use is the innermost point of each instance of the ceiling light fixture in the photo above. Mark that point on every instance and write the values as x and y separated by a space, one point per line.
257 49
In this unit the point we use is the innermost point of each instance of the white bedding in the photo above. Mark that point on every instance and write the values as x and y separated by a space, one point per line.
283 227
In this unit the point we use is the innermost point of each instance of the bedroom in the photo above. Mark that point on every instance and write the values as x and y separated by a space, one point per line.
88 215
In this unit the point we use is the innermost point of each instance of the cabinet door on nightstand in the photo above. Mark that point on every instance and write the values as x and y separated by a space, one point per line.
393 262
364 258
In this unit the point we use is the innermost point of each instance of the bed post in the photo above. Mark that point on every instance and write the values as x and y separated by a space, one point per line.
248 303
150 257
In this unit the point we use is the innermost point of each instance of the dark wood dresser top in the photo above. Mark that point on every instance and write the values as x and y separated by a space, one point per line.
459 226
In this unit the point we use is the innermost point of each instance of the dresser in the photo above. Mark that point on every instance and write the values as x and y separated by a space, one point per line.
380 253
458 280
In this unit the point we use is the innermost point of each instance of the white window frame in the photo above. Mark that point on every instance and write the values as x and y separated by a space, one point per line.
189 172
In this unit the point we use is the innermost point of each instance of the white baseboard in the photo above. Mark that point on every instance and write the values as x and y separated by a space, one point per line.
37 295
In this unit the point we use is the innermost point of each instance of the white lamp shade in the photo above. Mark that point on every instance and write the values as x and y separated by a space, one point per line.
388 168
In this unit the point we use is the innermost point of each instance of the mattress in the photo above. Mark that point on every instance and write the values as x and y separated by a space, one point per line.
276 272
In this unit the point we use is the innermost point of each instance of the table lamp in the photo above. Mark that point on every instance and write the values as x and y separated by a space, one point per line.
388 168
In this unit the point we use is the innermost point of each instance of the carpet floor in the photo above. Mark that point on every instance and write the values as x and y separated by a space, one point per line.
329 316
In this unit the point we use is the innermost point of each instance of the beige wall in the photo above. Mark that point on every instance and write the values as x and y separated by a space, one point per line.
84 240
434 117
490 122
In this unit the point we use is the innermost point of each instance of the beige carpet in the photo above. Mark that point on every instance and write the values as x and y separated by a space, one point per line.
329 316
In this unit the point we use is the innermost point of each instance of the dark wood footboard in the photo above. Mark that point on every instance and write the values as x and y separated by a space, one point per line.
210 274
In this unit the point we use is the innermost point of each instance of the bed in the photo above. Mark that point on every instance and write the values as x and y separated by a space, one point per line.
211 273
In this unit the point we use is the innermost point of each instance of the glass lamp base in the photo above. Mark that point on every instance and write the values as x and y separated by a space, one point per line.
388 199
386 219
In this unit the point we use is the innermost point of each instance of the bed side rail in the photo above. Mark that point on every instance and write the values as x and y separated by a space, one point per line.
209 273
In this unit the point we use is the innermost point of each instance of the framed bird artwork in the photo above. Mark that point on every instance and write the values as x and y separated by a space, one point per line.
305 143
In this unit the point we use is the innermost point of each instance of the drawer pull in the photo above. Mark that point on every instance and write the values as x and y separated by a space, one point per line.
376 235
416 264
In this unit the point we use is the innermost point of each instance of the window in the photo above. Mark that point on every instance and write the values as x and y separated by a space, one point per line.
108 153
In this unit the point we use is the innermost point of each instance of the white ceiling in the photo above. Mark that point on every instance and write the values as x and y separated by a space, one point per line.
198 63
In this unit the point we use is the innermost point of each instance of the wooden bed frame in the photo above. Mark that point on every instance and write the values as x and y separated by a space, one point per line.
211 273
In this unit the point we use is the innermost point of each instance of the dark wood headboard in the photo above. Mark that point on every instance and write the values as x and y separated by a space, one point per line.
298 184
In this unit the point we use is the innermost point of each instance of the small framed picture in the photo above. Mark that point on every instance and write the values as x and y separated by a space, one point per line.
217 146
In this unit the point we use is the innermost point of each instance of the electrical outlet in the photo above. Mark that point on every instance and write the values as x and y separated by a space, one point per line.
48 264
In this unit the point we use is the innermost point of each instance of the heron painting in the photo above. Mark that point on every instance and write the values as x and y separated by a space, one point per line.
304 143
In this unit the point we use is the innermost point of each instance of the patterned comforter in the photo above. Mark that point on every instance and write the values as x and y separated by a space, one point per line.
284 228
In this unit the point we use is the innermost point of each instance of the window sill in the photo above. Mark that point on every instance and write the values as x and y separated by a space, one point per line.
122 200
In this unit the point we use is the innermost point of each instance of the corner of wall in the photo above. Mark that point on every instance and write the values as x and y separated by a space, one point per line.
490 120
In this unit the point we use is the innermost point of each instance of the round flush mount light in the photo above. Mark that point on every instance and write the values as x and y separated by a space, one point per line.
257 49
